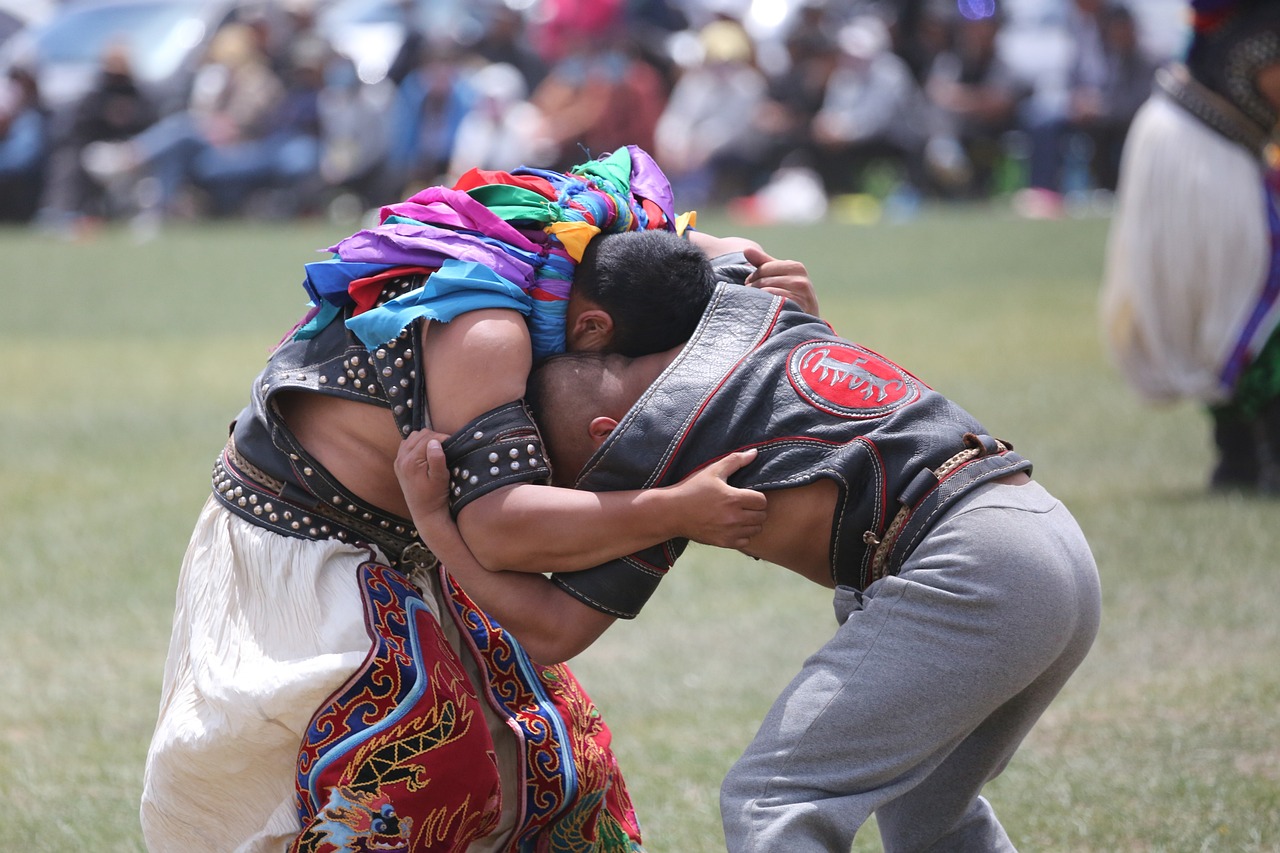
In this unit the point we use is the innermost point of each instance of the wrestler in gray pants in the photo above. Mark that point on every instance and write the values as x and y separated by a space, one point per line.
933 678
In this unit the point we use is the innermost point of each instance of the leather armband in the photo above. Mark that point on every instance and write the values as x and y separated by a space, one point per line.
621 587
499 448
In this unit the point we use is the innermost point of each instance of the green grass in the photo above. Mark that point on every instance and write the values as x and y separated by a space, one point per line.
123 364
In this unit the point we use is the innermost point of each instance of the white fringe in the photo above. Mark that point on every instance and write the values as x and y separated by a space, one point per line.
1187 255
266 627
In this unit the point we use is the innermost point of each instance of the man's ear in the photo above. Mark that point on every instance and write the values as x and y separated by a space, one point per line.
601 428
592 330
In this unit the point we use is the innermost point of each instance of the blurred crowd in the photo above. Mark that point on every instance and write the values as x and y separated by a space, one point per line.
905 99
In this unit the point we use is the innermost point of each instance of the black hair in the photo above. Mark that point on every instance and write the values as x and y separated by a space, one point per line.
558 390
654 284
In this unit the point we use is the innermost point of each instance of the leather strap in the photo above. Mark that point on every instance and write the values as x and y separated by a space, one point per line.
930 493
291 510
499 448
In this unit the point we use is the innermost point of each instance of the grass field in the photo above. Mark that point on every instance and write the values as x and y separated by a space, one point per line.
123 363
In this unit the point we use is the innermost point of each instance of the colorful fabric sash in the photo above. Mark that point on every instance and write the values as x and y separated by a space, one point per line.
493 240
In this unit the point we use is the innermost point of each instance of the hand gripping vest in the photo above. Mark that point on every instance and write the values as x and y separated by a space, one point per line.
759 373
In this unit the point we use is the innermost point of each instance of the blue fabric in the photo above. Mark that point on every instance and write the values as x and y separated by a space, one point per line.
327 281
456 288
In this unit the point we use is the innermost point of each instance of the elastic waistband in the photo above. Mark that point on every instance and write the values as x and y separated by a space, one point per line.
930 493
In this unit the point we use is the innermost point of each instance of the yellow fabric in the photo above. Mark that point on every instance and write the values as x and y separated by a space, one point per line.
574 235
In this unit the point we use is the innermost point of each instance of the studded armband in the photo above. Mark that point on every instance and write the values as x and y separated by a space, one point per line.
499 448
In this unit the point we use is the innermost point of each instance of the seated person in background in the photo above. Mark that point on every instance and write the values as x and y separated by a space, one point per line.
116 108
965 594
24 132
975 94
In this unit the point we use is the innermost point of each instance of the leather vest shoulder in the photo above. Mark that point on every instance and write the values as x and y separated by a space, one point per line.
759 373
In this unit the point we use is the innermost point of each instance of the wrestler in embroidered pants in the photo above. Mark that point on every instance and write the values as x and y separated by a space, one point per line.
931 682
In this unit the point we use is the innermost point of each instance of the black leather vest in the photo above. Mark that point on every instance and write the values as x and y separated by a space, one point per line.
267 477
760 373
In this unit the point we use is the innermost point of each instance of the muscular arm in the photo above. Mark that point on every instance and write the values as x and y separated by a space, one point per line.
785 278
480 361
551 625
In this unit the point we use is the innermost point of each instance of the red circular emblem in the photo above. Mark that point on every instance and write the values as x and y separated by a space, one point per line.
845 379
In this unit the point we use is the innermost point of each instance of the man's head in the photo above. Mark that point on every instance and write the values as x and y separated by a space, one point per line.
637 292
578 398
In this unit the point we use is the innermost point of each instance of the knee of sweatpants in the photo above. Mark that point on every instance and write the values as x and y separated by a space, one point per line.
757 818
739 792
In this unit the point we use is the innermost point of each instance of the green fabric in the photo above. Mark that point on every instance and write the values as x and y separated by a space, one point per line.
615 168
1259 384
516 204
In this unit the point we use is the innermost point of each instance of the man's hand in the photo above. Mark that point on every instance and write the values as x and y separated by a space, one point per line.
788 279
715 513
424 475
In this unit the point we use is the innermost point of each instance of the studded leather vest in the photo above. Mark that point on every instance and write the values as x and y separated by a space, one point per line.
267 477
759 373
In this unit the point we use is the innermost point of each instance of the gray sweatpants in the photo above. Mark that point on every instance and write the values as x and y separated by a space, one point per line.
932 680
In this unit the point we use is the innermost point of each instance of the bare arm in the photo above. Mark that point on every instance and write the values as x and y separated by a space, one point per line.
713 246
551 625
788 279
480 361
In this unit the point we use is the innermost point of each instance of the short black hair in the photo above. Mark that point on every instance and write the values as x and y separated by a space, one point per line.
557 394
654 284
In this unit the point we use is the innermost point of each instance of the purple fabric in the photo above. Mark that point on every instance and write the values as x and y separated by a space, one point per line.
647 181
456 209
425 245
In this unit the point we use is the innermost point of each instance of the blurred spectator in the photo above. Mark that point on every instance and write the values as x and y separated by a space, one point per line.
113 110
975 94
234 100
412 48
651 24
1103 108
289 32
286 161
1051 145
783 124
23 145
1079 150
503 130
600 96
429 106
354 135
563 27
872 112
922 31
704 137
505 40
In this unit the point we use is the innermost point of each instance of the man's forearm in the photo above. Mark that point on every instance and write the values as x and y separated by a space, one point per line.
551 625
528 528
547 529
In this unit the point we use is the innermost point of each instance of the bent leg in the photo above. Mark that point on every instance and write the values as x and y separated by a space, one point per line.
265 628
927 671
